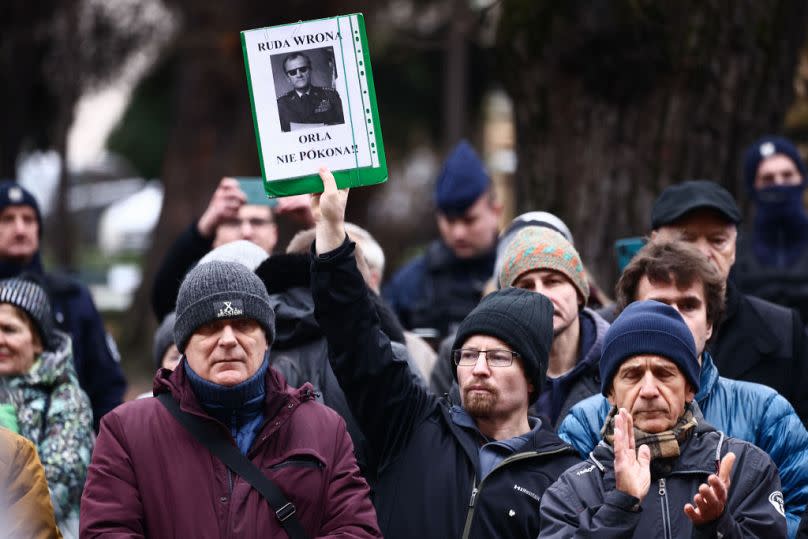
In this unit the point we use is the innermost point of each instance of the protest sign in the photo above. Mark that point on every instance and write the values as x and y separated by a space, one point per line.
314 104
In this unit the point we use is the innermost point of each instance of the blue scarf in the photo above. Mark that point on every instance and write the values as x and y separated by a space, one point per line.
239 407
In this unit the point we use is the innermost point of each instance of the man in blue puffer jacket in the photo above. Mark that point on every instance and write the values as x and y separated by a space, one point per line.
677 274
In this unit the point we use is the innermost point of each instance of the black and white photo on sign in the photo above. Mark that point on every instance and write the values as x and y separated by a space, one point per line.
306 85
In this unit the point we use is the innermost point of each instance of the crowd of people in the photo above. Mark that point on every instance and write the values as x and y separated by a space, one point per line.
488 388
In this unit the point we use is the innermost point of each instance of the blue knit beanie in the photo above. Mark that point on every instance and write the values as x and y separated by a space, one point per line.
13 194
766 147
653 328
461 182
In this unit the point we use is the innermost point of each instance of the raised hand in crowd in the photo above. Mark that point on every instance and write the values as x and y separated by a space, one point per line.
328 210
224 204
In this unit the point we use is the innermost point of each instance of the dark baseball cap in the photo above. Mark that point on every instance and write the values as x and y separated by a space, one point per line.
677 200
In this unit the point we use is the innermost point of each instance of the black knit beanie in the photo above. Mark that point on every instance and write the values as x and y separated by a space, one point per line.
521 319
221 290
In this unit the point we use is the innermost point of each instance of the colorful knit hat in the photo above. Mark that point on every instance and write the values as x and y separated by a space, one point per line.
541 248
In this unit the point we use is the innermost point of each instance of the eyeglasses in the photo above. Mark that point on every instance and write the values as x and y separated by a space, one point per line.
467 357
303 70
254 222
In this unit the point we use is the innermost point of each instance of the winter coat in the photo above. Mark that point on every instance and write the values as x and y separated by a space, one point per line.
300 351
429 483
55 414
95 356
437 290
151 478
763 343
785 284
25 506
803 531
750 412
585 503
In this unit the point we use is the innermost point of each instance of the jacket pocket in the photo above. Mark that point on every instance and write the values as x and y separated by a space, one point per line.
301 475
306 461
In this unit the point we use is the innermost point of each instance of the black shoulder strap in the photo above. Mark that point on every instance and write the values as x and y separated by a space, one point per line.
208 435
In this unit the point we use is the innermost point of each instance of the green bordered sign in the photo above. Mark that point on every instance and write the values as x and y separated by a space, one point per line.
314 104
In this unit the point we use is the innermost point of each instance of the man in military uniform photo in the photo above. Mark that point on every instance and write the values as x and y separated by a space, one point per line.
305 103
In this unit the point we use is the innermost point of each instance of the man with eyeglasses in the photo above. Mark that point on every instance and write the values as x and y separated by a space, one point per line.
227 218
477 468
306 105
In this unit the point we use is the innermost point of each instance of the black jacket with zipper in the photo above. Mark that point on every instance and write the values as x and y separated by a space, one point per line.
428 466
585 502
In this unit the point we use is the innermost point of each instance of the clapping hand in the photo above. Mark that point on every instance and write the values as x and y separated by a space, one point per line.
632 469
711 499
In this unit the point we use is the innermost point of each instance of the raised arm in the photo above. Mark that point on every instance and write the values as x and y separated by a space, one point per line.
381 390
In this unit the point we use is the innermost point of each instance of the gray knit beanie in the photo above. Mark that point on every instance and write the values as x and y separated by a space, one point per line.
221 290
163 338
32 299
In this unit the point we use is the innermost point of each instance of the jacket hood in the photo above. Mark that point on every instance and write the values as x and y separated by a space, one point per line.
294 318
53 367
592 355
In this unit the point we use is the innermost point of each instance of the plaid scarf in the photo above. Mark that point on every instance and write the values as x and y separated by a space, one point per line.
663 444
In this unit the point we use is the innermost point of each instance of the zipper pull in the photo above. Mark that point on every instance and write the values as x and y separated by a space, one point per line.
473 495
662 487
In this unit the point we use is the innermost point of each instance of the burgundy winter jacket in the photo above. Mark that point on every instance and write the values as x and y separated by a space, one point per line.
150 478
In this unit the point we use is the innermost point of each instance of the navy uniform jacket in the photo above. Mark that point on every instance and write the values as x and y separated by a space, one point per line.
318 106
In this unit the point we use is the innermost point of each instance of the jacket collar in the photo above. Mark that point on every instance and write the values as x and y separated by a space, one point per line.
592 355
741 314
540 440
279 402
439 255
708 377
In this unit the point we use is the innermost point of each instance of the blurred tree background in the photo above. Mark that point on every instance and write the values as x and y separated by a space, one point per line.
609 101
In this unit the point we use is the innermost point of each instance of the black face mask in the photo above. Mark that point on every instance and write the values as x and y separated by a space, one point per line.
781 224
781 204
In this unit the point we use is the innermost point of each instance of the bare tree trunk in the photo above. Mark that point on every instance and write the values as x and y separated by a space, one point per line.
615 100
455 87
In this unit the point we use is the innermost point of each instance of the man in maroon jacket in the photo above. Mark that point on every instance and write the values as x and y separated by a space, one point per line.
149 477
